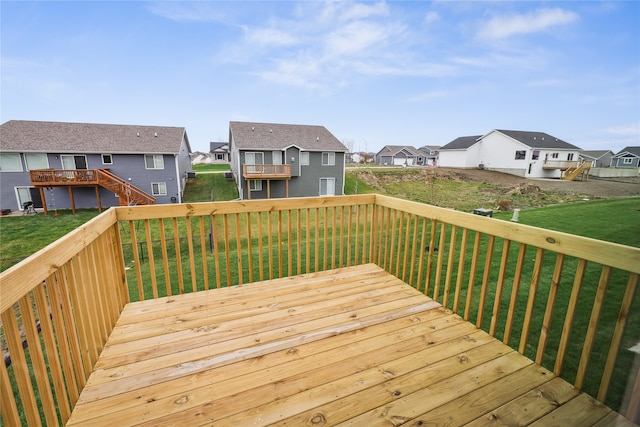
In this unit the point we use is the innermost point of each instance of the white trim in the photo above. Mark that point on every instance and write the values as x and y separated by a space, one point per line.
159 193
102 158
155 156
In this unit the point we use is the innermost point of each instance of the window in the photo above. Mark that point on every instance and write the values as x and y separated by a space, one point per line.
10 162
276 157
159 188
535 155
554 155
107 159
570 156
253 159
627 161
521 154
153 161
255 185
304 158
36 161
327 186
220 156
328 159
71 162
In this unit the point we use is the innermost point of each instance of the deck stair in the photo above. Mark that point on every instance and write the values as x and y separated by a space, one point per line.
580 169
129 194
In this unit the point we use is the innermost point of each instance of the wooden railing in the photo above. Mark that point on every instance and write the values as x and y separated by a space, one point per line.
567 302
129 194
559 164
266 171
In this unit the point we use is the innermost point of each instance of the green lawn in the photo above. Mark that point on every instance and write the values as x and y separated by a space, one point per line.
203 168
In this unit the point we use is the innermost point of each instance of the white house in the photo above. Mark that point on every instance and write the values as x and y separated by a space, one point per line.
526 154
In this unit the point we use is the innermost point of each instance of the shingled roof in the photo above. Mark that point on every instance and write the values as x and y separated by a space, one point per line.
461 143
61 137
273 136
538 139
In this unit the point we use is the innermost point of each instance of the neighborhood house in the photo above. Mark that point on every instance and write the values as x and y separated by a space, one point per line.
281 160
57 165
526 154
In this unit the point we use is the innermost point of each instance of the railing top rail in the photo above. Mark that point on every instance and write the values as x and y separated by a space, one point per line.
606 253
21 278
240 206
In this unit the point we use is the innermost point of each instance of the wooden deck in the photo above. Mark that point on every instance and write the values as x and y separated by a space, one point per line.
353 346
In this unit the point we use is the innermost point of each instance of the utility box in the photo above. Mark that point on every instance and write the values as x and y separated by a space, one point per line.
483 212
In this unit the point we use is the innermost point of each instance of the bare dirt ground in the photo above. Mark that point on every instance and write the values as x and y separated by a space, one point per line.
597 188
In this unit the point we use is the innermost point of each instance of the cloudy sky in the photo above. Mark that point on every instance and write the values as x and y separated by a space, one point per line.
373 73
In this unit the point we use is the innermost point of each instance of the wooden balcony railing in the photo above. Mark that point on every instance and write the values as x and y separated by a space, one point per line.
567 302
129 194
266 171
559 164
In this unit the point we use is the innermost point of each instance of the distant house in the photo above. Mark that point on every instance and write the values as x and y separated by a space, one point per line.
200 158
628 157
527 154
598 158
430 154
219 152
283 160
59 165
399 155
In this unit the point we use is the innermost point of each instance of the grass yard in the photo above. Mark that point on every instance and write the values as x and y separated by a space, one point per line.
205 168
207 187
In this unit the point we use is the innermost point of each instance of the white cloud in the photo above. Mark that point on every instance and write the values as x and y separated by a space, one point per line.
193 11
431 17
359 37
269 36
345 11
501 27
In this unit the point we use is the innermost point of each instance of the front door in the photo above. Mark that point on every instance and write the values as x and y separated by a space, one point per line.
29 194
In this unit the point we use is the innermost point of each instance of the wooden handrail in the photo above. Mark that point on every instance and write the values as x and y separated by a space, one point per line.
265 171
545 293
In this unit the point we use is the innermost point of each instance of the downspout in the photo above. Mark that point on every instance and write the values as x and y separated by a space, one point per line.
178 180
344 169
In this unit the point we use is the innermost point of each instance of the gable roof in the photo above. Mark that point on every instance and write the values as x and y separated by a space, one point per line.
595 154
537 139
392 150
631 150
61 137
213 146
273 136
461 143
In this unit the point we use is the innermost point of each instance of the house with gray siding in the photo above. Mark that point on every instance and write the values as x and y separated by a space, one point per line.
270 160
628 157
58 165
399 155
598 158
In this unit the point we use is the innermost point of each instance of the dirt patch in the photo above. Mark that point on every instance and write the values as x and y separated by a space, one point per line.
594 187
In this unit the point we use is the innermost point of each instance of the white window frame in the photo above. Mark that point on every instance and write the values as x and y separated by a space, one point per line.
72 157
569 156
627 160
158 161
304 158
327 180
44 155
159 185
331 158
110 157
521 154
255 185
14 156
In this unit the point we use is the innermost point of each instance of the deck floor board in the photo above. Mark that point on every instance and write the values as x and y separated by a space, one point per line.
351 346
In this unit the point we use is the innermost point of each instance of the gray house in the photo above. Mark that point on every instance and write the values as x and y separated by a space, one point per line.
60 165
598 158
281 160
628 157
219 152
399 155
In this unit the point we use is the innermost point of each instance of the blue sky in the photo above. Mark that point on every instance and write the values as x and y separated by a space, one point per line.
373 73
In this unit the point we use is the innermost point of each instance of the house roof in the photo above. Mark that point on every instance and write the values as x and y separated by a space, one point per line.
461 143
273 136
538 139
213 146
61 137
595 154
392 150
631 150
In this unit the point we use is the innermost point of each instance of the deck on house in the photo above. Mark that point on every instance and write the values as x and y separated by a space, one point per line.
353 346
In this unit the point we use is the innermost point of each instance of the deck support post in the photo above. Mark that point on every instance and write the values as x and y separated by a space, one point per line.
98 198
286 186
73 202
44 200
268 189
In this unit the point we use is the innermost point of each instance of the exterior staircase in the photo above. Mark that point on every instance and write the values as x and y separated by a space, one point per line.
581 168
129 195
